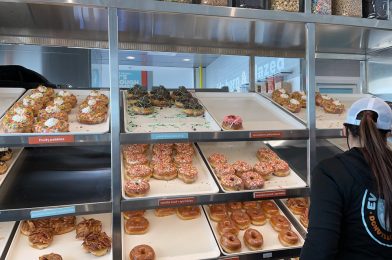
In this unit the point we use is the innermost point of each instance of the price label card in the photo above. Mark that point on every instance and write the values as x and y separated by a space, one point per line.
58 139
177 201
168 136
265 134
269 194
52 212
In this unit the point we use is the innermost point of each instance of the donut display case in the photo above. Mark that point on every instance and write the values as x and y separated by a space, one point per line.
66 245
174 238
10 163
8 96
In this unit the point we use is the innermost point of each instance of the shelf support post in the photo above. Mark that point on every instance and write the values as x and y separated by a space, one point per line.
115 132
311 88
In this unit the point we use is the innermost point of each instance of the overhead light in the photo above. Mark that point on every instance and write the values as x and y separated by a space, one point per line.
186 59
130 57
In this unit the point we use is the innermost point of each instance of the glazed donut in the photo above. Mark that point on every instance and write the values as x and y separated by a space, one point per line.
183 159
216 158
230 243
139 171
136 188
269 208
223 169
250 205
133 213
288 238
304 218
252 181
142 252
188 212
164 212
257 216
264 169
232 206
227 226
164 171
136 225
241 167
218 212
297 205
253 239
240 219
187 173
232 183
281 168
279 223
136 148
131 158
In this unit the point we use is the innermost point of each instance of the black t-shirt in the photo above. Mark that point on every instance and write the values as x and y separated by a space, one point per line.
346 217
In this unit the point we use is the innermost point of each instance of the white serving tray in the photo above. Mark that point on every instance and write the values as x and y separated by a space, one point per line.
66 245
297 217
5 233
175 239
8 96
15 155
325 120
204 184
166 120
246 151
74 126
257 112
270 237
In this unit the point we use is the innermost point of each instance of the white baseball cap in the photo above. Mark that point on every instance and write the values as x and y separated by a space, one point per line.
384 112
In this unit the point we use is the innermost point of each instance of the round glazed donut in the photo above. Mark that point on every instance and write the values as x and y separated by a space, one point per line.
136 225
269 208
241 167
227 226
279 223
142 252
183 159
281 168
232 182
297 205
136 188
165 171
140 171
216 158
218 212
304 219
188 212
133 213
257 217
253 239
240 219
232 206
187 173
252 180
250 205
164 212
264 169
223 169
288 238
230 243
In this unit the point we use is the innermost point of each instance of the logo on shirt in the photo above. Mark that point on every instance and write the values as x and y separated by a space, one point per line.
373 218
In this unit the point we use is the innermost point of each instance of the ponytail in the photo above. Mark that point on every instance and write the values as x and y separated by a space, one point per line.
379 157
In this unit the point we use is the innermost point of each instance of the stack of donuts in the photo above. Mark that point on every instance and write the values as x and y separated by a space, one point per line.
241 175
168 162
135 223
234 217
300 207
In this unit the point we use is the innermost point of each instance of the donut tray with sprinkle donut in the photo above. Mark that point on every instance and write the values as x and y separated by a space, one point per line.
65 245
270 237
173 238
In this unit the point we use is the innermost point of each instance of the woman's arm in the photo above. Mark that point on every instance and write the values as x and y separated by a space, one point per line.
325 216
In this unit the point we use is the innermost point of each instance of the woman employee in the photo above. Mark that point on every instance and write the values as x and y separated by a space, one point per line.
351 193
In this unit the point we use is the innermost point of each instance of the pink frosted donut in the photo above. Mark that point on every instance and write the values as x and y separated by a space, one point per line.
136 148
139 171
187 173
264 169
232 182
232 122
252 180
136 188
281 168
240 167
217 158
131 158
183 159
224 169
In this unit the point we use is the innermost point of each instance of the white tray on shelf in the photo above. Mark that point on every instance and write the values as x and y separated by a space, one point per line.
204 184
257 112
5 233
297 217
270 237
15 155
246 151
325 120
66 245
175 239
74 126
8 96
166 120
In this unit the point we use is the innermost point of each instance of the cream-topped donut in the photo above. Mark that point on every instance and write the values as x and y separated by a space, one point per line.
232 122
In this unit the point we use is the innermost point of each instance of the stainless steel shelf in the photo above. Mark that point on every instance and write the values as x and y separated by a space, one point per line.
278 254
57 181
29 140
